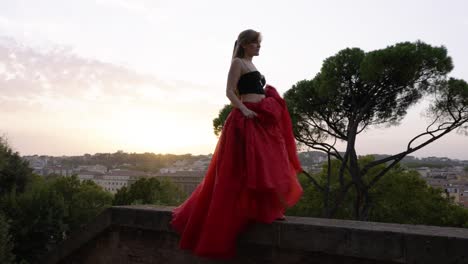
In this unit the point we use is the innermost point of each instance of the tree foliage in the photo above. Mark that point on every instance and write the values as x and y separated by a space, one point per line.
83 200
150 191
38 220
218 122
356 90
41 212
14 171
48 211
6 242
400 197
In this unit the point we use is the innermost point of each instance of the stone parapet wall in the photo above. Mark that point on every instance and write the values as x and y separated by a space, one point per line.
141 234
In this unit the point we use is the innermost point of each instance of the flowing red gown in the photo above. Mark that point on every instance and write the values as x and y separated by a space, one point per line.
252 177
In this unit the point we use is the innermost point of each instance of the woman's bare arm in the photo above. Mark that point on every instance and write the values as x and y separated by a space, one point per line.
233 77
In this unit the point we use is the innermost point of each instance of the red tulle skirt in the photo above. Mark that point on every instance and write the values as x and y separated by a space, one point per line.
252 177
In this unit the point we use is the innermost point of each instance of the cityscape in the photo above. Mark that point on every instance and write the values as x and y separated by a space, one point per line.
450 175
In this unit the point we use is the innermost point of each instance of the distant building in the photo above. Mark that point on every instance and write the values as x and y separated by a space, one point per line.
464 198
116 179
186 180
88 175
57 169
444 173
184 165
201 164
423 171
36 163
94 168
437 183
454 191
114 183
168 170
113 180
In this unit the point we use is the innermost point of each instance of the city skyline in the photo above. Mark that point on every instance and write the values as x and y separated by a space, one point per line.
144 76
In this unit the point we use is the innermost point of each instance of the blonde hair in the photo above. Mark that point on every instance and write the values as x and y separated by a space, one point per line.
245 37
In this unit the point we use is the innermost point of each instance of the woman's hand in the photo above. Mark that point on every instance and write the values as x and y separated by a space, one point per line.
248 113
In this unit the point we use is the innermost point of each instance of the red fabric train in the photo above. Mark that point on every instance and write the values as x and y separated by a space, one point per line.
252 177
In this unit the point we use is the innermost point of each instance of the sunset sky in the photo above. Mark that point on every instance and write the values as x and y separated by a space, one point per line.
93 76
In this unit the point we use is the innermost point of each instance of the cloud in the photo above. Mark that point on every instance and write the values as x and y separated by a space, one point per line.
54 95
48 78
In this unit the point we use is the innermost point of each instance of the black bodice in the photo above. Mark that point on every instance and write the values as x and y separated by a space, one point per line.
251 82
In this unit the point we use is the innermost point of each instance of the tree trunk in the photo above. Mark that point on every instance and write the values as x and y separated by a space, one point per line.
326 192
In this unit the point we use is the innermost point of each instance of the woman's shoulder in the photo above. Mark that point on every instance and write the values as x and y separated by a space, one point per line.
236 61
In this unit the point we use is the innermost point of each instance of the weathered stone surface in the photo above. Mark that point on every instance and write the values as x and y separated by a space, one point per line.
142 234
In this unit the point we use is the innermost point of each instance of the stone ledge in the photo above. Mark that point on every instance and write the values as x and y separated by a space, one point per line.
295 240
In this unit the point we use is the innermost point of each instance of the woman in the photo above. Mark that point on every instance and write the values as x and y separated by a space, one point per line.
252 174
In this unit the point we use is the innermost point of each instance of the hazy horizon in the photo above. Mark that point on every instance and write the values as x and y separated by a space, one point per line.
205 154
97 76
